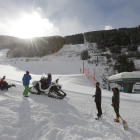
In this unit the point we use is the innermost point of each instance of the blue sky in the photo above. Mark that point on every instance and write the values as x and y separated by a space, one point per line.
65 17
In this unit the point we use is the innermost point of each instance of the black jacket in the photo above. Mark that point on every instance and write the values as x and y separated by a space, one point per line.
98 95
116 100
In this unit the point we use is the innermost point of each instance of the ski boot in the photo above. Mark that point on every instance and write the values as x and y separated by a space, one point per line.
98 116
26 96
117 120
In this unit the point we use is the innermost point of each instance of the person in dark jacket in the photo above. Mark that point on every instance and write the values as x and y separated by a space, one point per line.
116 102
98 100
26 80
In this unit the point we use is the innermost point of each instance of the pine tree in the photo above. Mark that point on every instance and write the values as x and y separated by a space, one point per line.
124 65
85 55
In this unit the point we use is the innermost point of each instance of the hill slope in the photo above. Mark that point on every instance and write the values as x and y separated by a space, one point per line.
42 118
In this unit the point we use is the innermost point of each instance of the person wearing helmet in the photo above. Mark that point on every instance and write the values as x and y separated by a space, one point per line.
47 81
26 80
2 80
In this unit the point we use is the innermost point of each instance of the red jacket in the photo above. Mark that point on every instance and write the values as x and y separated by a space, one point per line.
1 81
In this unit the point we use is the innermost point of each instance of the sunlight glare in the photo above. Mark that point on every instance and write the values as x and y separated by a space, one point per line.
31 25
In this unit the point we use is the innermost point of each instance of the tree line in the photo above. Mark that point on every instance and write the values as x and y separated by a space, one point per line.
114 40
39 46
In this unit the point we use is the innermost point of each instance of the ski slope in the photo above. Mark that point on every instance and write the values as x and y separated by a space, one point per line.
42 118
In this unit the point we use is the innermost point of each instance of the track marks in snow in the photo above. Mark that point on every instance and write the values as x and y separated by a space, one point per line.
42 118
86 107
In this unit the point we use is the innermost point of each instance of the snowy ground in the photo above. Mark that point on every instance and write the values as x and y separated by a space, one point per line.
42 118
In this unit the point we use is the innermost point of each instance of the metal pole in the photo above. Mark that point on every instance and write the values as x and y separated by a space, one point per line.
94 78
108 86
83 66
90 39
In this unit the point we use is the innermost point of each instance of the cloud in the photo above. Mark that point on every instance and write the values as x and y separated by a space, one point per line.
28 25
108 27
3 29
66 17
69 26
39 10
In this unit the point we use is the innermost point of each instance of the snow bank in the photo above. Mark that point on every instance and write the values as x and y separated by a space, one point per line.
42 118
132 75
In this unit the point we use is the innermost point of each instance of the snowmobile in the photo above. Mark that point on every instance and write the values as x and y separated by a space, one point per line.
53 90
5 86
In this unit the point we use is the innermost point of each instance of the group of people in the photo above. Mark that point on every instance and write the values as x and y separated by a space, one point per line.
115 98
115 101
26 81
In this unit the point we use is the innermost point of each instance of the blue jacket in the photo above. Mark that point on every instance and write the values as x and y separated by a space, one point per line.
49 80
26 79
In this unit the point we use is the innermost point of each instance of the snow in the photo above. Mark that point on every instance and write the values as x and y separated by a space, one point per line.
125 75
73 118
139 48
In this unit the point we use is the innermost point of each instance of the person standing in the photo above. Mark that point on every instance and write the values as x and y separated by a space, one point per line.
98 100
26 80
115 103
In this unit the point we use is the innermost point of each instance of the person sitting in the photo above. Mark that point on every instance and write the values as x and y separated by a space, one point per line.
45 82
49 79
2 80
4 85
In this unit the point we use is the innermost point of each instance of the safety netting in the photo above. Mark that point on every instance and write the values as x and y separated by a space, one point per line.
90 76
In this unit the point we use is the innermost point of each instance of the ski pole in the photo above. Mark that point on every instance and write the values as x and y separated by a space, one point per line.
57 78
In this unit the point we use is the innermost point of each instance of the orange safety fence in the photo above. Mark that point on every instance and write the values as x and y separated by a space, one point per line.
90 76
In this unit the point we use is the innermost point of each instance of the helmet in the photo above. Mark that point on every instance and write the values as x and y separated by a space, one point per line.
27 72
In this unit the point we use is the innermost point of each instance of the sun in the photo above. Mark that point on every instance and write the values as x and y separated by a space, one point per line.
30 25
